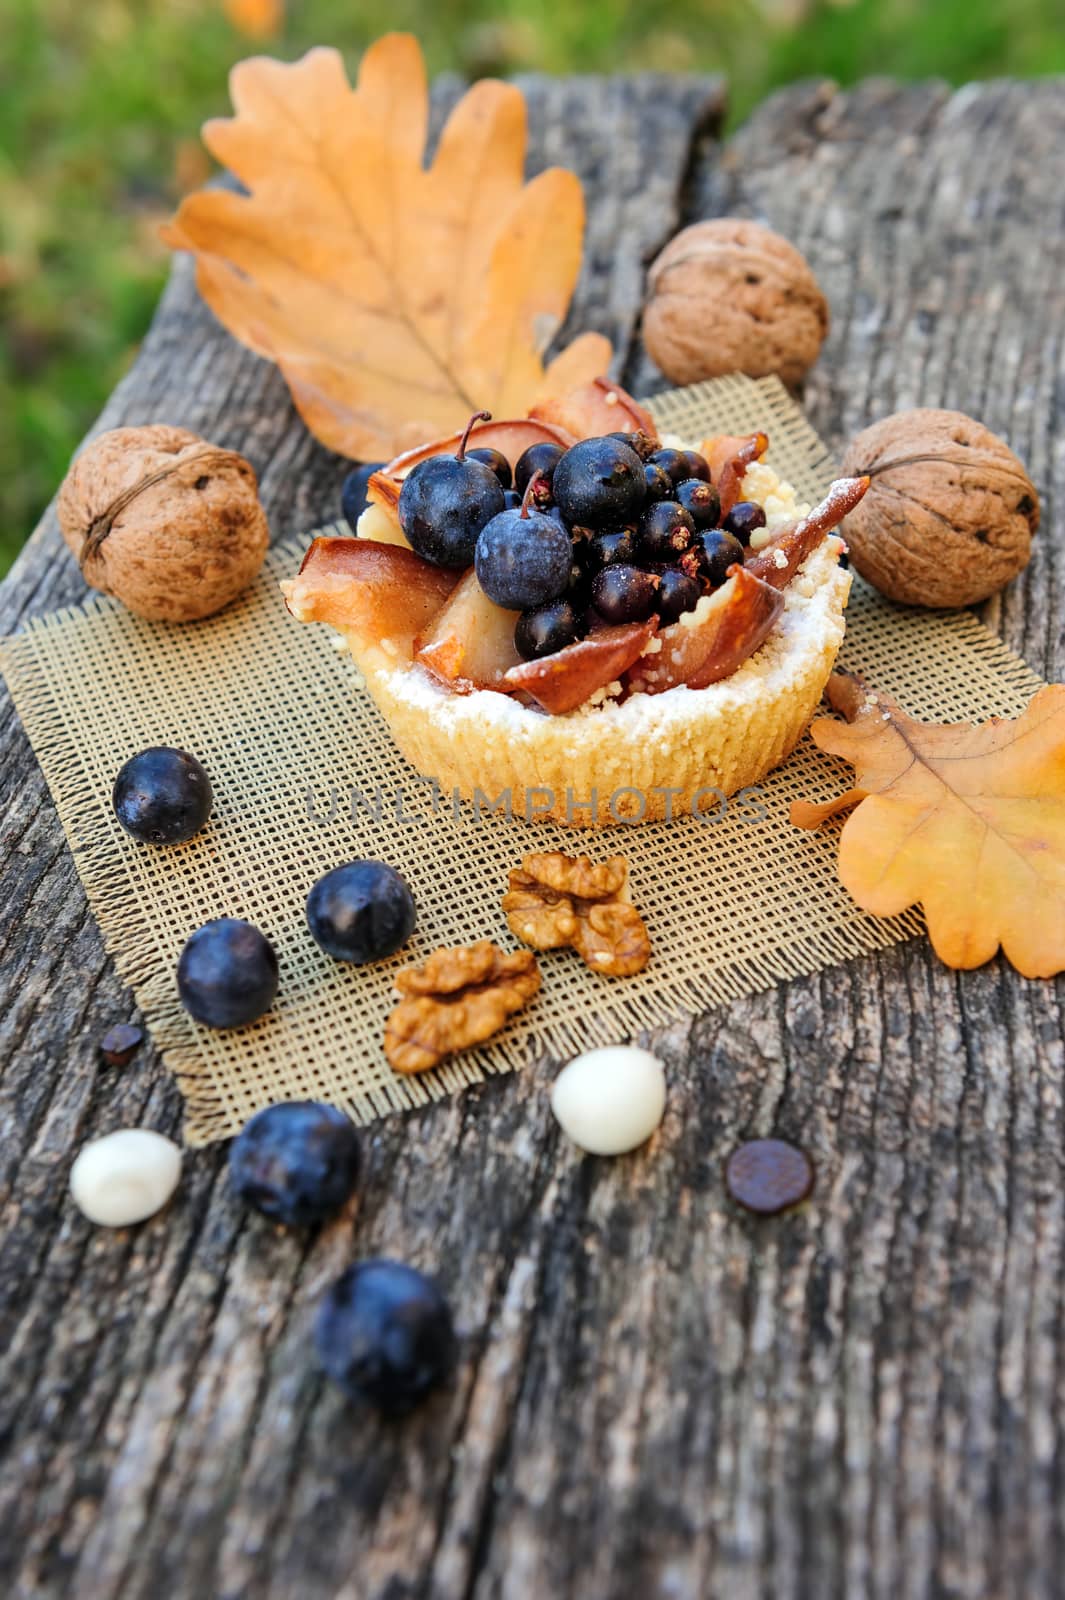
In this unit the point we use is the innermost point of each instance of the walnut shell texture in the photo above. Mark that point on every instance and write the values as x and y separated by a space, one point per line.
170 525
950 512
733 296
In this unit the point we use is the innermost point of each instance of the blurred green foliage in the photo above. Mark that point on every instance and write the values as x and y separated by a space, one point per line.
100 104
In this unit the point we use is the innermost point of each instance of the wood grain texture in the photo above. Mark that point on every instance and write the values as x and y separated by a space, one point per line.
658 1396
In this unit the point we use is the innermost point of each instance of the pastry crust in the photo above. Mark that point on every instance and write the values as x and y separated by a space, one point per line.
647 757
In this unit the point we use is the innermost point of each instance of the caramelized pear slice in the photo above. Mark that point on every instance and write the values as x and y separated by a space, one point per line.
728 456
564 681
777 562
594 409
511 438
470 644
718 636
378 592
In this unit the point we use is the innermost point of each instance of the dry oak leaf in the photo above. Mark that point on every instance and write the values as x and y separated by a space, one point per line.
395 299
968 819
457 997
555 901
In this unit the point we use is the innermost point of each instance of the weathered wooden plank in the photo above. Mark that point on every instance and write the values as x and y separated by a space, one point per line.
656 1396
114 1345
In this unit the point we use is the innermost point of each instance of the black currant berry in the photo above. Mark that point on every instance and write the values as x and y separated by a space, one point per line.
296 1161
227 973
744 518
642 443
361 911
620 545
701 500
673 462
162 796
496 460
446 501
718 551
697 465
523 558
384 1333
599 482
658 481
624 594
666 530
546 630
542 458
678 592
353 491
579 579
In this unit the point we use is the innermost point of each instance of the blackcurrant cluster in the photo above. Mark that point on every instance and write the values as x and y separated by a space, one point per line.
645 534
609 531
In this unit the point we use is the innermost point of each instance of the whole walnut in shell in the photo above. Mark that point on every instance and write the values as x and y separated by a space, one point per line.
733 296
167 523
950 511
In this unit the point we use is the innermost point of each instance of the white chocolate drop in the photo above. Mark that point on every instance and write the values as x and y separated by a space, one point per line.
610 1100
125 1176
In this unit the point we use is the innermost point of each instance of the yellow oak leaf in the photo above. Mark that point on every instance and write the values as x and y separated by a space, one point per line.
966 819
396 299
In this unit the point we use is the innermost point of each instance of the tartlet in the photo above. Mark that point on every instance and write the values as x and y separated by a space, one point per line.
623 755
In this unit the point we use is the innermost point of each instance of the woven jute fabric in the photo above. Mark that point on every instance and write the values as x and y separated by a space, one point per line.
306 776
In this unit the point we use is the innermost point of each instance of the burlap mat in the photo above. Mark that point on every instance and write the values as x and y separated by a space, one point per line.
273 711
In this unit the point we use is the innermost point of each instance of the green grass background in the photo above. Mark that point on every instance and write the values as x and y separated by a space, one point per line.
101 100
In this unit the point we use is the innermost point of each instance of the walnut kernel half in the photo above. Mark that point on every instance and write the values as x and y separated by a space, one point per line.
457 997
557 901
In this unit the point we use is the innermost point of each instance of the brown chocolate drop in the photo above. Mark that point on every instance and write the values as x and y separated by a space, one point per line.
120 1043
768 1175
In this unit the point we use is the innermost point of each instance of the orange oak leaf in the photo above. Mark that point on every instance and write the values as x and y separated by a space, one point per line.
257 19
396 299
968 819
